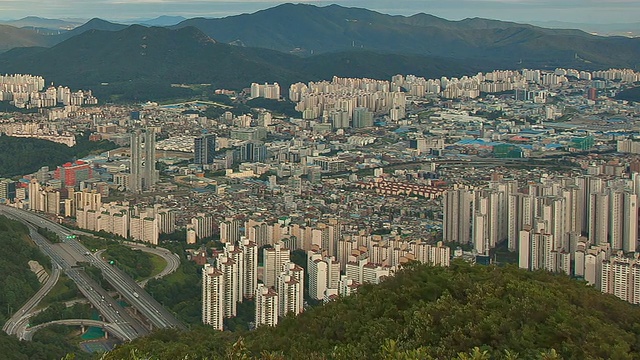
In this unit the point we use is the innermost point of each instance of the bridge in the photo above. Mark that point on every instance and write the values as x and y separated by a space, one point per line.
114 329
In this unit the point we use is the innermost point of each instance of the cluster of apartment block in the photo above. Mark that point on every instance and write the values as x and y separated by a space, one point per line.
141 224
232 276
546 223
348 102
25 91
505 80
337 262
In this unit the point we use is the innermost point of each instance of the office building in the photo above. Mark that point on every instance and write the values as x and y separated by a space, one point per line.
205 149
143 175
73 173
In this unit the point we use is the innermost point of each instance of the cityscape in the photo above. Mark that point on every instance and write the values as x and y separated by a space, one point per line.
447 211
339 151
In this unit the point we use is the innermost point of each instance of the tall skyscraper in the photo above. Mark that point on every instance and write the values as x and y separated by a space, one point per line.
212 297
135 168
205 148
149 180
142 173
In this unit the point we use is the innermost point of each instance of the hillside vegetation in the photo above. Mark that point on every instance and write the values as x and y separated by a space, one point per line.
21 156
18 284
461 312
140 64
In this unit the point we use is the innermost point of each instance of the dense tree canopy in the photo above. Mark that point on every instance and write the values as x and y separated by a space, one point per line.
21 156
18 284
461 312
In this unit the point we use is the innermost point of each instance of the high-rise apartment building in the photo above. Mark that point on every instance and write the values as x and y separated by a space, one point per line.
230 231
290 287
203 225
458 205
212 297
250 278
267 307
274 259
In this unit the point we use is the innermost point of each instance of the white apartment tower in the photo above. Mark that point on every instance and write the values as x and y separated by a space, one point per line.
235 253
598 221
229 269
318 273
274 258
457 210
290 289
623 220
267 308
212 297
250 278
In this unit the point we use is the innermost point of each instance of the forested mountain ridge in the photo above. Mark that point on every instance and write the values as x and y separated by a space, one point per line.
307 29
431 313
141 63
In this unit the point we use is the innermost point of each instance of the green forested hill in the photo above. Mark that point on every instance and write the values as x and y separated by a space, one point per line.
424 312
20 156
17 285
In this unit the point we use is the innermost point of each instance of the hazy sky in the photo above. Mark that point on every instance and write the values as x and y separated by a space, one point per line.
579 11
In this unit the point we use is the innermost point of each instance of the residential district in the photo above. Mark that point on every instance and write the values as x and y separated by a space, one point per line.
373 174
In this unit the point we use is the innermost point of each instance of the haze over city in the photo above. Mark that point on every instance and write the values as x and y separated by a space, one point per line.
576 11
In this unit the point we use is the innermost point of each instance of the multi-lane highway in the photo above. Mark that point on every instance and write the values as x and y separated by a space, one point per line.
70 252
108 308
132 292
65 256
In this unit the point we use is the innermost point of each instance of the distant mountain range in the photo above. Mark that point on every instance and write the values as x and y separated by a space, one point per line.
297 43
38 22
157 56
621 29
307 29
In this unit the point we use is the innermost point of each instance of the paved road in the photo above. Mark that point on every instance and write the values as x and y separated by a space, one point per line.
173 260
60 257
21 317
72 250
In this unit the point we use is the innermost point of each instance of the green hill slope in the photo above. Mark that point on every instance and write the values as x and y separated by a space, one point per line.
140 63
21 156
426 312
12 37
